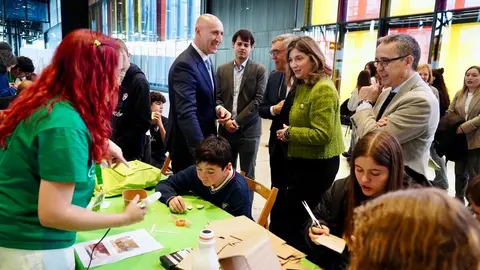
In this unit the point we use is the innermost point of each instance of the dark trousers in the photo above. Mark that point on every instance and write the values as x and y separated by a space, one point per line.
309 180
181 161
280 172
466 170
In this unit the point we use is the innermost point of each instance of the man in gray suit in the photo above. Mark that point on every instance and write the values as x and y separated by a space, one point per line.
240 87
406 107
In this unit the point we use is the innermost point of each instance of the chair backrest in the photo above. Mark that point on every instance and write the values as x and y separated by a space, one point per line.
166 166
267 194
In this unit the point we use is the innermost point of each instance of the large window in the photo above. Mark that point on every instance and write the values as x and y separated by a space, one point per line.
358 50
459 50
324 12
410 7
358 10
155 31
446 30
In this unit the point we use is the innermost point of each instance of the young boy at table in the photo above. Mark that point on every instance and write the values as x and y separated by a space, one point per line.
212 178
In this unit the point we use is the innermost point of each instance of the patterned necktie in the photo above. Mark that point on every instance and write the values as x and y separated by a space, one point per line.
207 63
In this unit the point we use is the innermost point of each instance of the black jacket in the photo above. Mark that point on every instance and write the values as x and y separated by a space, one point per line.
331 211
133 115
274 93
447 142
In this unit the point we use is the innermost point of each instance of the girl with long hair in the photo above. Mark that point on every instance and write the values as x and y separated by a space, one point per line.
466 104
440 180
376 168
443 96
50 139
314 132
420 229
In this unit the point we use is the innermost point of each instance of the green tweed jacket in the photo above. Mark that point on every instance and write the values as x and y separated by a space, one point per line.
315 129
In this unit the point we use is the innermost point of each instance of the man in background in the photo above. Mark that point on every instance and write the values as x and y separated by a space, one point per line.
133 116
406 108
275 94
191 90
242 100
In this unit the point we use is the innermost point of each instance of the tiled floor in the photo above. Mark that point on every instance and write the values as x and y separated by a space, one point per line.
262 170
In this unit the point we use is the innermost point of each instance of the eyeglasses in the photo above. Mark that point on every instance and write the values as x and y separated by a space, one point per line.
385 61
275 52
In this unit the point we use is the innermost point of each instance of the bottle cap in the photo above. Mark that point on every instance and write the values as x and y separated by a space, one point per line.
206 235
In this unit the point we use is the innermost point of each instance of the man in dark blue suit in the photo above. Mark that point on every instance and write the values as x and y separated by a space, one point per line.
191 87
270 108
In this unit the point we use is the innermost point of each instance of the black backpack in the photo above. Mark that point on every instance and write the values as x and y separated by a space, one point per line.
345 113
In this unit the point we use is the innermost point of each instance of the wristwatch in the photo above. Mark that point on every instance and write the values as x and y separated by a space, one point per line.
287 134
365 101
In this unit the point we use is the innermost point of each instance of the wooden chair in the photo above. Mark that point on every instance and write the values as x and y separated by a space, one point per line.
267 194
166 170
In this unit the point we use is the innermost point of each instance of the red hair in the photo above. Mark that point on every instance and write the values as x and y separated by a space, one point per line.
84 73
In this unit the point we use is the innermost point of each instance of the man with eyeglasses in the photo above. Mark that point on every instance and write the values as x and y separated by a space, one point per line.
270 108
406 108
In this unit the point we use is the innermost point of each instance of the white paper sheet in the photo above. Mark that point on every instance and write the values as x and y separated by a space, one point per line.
332 242
115 248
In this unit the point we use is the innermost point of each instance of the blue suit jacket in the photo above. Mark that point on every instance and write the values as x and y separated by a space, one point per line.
192 104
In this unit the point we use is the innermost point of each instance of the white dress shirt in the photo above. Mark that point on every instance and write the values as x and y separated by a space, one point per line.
237 81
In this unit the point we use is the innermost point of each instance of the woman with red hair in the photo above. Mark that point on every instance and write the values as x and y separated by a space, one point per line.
50 139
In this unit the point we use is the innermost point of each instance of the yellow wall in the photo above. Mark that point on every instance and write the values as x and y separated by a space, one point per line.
359 49
407 7
324 11
458 52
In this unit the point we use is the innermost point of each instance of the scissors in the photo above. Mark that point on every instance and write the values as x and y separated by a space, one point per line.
315 221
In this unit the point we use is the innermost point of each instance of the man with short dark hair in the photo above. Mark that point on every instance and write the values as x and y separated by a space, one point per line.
240 87
212 178
407 108
132 117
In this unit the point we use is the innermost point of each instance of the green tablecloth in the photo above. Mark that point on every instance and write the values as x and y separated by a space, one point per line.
160 215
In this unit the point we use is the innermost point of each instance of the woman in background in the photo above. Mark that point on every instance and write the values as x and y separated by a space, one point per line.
443 96
314 133
50 138
466 104
425 72
440 180
376 168
374 76
363 79
419 229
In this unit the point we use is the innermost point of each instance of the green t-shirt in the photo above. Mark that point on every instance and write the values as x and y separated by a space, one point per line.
53 147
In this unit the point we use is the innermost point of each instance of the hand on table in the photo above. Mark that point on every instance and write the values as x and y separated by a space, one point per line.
134 212
315 232
177 205
115 155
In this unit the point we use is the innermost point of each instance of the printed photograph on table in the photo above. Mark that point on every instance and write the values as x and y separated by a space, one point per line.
100 251
124 244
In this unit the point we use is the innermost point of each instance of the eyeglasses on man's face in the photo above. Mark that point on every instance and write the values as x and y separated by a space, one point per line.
275 52
383 62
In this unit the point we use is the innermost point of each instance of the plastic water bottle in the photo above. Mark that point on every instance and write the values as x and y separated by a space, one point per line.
205 257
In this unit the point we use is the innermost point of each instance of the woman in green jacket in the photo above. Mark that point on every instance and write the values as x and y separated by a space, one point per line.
314 133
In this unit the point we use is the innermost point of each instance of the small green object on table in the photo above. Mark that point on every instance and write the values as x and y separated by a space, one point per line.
159 214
